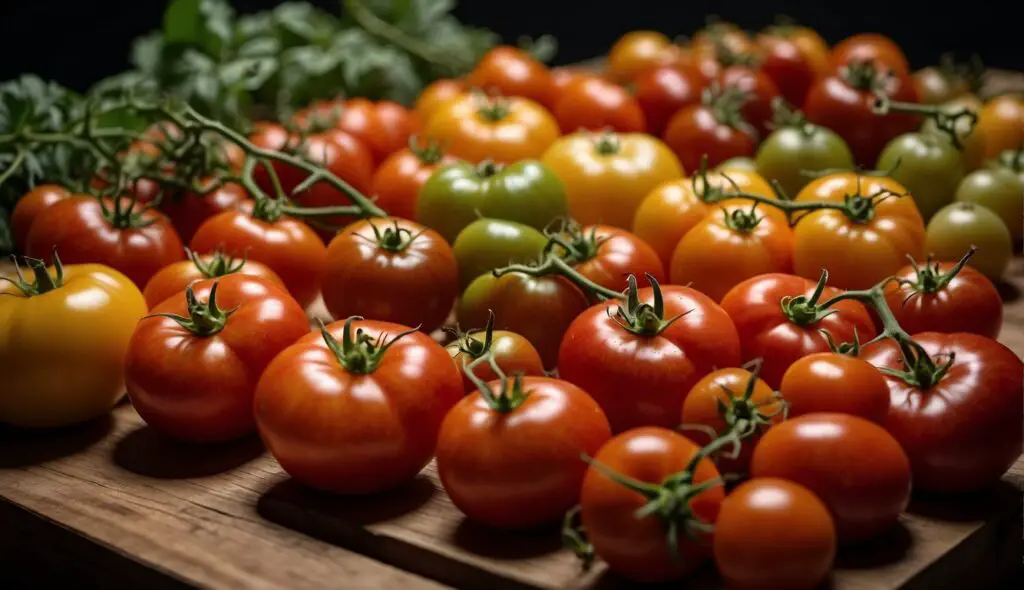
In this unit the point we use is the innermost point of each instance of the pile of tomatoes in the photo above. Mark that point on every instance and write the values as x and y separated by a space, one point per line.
661 274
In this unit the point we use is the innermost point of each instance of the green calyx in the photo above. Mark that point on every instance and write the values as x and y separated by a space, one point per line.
743 416
929 279
204 319
488 168
43 282
706 191
577 245
946 121
358 353
922 371
429 152
125 216
494 110
472 347
727 106
643 319
511 395
805 311
863 75
393 239
607 144
220 264
844 348
784 115
742 221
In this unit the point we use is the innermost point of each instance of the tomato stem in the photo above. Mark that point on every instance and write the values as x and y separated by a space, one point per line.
846 348
579 246
644 319
945 121
428 151
574 537
204 319
392 239
488 168
359 354
554 265
43 282
805 311
220 264
509 397
471 346
929 279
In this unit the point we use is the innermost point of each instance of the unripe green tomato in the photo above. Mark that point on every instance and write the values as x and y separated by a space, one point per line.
958 226
790 152
928 165
487 244
1000 190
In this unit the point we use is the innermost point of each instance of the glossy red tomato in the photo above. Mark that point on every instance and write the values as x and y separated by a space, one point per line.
188 210
356 418
512 459
857 469
760 91
870 47
510 71
192 376
794 58
398 180
637 547
562 78
776 324
607 255
173 278
662 92
715 129
118 233
30 206
382 126
596 105
962 428
833 382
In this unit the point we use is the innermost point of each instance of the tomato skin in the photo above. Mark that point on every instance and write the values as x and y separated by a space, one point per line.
1000 126
873 47
934 85
794 58
173 278
520 469
636 52
607 176
662 92
435 94
765 331
81 232
487 244
964 432
757 110
336 431
637 548
91 317
788 152
957 227
619 255
415 286
398 180
967 303
1000 190
928 165
510 71
642 380
594 104
772 533
30 206
288 246
384 126
513 354
200 389
695 132
187 211
853 465
833 382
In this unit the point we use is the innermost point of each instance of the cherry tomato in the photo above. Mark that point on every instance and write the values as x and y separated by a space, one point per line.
435 94
289 247
637 51
356 418
510 71
774 320
662 92
958 227
382 126
596 105
30 206
791 151
772 533
857 469
606 176
607 255
1001 125
714 129
928 165
833 382
760 91
188 210
512 459
638 547
475 127
971 141
118 233
398 180
512 353
794 58
858 247
998 189
637 362
173 278
192 376
936 85
487 244
870 47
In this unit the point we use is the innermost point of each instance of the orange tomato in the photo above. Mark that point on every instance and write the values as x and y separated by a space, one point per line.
636 52
475 127
833 382
436 94
510 71
596 104
398 180
1001 125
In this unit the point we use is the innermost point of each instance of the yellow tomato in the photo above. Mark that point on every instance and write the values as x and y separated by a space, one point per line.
475 127
636 52
63 343
606 176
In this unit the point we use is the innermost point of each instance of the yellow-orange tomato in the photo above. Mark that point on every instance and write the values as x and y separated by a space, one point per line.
436 94
636 52
1001 125
606 176
510 71
857 252
475 127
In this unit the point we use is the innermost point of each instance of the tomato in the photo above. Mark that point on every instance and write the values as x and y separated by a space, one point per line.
722 37
134 240
928 165
607 255
638 547
794 58
606 176
562 78
188 210
392 270
288 246
791 151
997 189
775 320
870 47
1012 160
843 102
511 459
958 227
193 363
857 469
733 243
945 297
1001 125
936 85
30 206
662 92
772 533
63 338
528 192
511 352
714 129
398 180
510 71
475 127
435 94
858 247
382 126
834 382
487 244
638 358
964 128
959 425
594 104
740 163
760 91
173 278
635 52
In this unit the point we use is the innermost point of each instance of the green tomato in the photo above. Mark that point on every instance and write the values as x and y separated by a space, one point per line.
454 196
928 165
487 244
790 153
738 163
958 226
1000 190
1012 160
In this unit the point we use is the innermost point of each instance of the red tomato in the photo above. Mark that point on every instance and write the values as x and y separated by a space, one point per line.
173 278
638 547
393 270
118 233
714 129
398 180
857 469
30 206
596 105
961 429
356 419
833 382
776 324
794 58
187 211
562 78
512 459
638 363
510 71
511 352
382 126
760 91
607 255
192 376
662 92
870 47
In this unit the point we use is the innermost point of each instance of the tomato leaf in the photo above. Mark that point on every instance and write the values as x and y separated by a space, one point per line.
205 24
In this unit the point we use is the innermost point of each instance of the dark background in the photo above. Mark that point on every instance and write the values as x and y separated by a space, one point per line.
78 41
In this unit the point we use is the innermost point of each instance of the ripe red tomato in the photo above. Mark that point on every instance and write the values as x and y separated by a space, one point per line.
398 180
607 255
596 105
637 547
715 128
173 278
512 459
392 270
188 210
760 91
118 233
662 92
873 48
30 206
511 352
562 78
961 429
775 324
794 58
857 469
384 127
833 382
772 534
637 363
356 418
192 376
510 71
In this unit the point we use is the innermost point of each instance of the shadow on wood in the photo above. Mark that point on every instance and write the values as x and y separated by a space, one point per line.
147 452
24 447
488 542
889 547
975 507
288 499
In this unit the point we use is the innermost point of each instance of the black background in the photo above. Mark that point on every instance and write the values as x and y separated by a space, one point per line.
78 41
